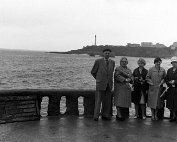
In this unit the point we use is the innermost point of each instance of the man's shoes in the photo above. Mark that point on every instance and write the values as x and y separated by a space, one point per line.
120 118
95 119
156 118
106 118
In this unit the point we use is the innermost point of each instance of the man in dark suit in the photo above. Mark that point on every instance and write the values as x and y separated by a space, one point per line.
102 71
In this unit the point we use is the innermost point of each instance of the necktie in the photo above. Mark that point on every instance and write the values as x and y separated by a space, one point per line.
107 64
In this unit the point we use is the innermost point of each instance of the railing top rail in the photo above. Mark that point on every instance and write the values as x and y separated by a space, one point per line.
47 92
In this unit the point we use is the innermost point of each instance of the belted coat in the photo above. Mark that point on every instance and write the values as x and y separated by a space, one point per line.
155 77
122 89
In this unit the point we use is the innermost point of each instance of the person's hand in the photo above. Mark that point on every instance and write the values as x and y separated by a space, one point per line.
171 81
151 84
140 79
161 83
127 80
136 78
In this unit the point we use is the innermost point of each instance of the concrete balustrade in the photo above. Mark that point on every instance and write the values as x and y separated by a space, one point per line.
24 105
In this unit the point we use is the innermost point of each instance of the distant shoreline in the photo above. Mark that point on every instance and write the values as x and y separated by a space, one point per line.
149 52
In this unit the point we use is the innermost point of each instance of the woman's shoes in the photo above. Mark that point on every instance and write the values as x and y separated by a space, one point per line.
136 116
172 120
156 118
95 119
144 117
152 118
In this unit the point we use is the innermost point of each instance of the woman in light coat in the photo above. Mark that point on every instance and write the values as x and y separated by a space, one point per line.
122 90
155 78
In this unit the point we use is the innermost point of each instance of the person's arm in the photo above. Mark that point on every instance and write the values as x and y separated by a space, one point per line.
113 64
175 81
148 77
118 77
95 69
131 77
167 79
172 82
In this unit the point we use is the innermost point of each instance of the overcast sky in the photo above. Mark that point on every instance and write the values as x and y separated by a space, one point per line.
62 25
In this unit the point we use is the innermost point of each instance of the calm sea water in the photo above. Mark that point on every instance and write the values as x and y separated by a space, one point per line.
33 70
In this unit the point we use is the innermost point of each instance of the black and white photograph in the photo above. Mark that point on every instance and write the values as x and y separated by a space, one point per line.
88 71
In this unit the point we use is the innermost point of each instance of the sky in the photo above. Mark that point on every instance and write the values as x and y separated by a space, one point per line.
63 25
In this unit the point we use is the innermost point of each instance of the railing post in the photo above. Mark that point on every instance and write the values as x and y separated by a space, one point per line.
39 101
54 105
89 104
72 105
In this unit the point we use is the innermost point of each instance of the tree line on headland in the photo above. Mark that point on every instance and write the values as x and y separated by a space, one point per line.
164 52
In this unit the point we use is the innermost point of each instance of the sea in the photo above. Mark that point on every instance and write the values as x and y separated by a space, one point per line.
44 70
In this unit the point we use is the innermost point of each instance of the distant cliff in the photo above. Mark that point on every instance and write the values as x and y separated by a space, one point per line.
164 52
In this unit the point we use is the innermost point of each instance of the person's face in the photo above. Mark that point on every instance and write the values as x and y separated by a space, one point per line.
140 64
158 63
174 64
123 63
106 54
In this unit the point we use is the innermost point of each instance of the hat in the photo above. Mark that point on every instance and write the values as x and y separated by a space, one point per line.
174 59
141 60
107 49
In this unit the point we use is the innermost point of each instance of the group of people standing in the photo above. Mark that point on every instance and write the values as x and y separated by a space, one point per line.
142 87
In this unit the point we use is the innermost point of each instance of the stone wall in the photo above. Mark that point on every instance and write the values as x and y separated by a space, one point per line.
18 108
24 105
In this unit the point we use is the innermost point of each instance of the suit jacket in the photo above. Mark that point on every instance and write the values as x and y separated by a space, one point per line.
103 75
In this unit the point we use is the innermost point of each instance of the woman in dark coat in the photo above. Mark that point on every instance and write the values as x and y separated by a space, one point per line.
139 94
171 81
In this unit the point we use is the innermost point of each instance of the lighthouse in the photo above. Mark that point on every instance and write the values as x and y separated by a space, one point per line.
95 40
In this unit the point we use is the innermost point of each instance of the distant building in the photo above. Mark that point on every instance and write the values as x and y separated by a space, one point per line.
174 44
133 45
146 44
172 47
159 45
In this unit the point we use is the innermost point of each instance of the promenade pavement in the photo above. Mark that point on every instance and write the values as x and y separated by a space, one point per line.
80 129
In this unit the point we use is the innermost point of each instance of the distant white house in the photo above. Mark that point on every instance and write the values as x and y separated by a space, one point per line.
173 46
146 44
133 45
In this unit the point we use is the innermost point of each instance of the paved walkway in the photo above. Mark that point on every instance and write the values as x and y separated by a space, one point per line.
79 129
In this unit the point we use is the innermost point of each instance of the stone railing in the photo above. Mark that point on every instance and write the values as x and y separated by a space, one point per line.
24 105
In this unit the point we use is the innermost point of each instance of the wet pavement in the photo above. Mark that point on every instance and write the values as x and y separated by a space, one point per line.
80 129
